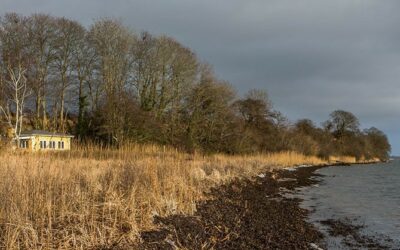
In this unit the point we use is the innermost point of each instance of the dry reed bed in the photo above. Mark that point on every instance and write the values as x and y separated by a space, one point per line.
91 197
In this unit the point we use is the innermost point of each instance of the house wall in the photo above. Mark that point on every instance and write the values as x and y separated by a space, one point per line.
35 145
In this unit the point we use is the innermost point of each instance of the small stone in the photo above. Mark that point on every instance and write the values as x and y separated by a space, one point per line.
315 246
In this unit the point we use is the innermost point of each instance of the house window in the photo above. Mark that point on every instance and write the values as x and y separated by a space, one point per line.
52 144
23 143
59 144
62 145
43 144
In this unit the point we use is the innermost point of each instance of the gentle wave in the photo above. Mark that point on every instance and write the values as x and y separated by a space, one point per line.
368 195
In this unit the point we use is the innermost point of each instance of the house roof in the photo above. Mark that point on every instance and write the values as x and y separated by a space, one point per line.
44 133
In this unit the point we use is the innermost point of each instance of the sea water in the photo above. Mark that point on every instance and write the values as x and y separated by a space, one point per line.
367 195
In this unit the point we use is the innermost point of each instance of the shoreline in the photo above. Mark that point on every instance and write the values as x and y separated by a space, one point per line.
348 231
247 213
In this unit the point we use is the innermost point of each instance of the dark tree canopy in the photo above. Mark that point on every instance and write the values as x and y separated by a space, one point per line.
341 122
377 143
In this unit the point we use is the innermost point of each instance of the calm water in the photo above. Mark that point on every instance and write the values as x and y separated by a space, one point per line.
368 194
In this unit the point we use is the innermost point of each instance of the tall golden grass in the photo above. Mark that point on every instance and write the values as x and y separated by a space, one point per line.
95 197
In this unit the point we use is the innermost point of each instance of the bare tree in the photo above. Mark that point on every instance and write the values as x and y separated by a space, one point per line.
377 143
15 62
84 58
163 72
145 70
178 69
41 31
14 109
209 113
112 43
69 35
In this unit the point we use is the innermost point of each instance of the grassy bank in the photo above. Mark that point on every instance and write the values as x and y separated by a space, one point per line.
92 197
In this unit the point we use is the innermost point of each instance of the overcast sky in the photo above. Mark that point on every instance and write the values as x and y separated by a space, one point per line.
311 56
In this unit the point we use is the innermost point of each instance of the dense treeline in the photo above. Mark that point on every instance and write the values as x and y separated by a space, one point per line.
109 84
